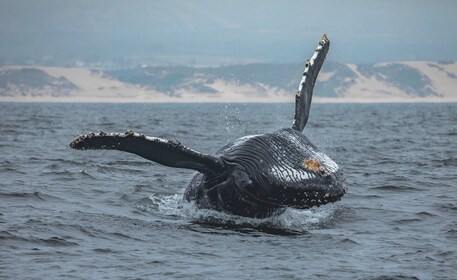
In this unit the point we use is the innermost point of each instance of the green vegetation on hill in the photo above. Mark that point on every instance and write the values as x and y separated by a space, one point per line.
26 79
282 76
404 77
339 78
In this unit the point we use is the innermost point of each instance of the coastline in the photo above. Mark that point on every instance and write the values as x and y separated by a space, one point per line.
91 86
151 100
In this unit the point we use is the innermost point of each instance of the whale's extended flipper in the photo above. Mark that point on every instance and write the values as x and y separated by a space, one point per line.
305 89
168 153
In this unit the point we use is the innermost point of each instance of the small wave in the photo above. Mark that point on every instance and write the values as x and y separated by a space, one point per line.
52 241
130 163
141 187
451 233
5 235
53 166
445 254
34 195
104 250
64 173
391 277
291 220
449 133
11 131
58 161
85 173
446 207
382 161
348 241
406 221
445 162
365 196
425 214
11 170
57 242
395 188
10 167
111 169
182 132
29 195
107 124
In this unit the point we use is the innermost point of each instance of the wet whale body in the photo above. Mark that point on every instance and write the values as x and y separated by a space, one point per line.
256 176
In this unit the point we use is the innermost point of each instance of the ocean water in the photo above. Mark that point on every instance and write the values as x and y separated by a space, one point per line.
67 214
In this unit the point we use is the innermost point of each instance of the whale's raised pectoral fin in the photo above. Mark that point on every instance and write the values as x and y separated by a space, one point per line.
305 89
168 153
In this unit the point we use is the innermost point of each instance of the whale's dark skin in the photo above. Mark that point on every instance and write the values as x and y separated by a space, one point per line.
256 176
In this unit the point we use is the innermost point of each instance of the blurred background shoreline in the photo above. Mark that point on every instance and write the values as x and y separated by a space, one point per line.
393 82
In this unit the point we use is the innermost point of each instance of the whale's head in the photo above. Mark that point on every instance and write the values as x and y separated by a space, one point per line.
264 173
289 186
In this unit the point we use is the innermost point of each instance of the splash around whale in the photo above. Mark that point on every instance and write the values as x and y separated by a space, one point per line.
256 176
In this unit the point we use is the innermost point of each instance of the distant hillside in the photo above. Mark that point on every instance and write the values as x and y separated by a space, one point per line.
34 83
337 82
173 80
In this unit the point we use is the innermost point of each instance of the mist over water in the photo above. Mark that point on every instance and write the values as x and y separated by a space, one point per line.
108 214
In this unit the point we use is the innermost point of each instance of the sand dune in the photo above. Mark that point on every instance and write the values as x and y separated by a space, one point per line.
94 86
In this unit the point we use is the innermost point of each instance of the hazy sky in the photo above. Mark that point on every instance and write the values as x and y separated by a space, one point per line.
232 31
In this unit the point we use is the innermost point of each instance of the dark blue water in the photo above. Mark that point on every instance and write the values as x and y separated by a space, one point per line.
110 215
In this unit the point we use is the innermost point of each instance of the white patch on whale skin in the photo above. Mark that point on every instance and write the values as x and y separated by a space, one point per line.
310 63
289 174
127 134
244 139
327 162
150 138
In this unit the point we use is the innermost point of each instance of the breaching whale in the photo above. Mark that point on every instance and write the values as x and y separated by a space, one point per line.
256 176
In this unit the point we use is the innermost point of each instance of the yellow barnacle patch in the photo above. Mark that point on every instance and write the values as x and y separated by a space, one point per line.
313 165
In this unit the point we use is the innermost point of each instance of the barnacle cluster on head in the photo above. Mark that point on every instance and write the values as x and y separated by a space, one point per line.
314 165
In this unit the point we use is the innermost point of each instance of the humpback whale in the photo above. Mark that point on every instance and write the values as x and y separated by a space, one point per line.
256 176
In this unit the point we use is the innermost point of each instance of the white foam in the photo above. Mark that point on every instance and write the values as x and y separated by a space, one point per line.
290 219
